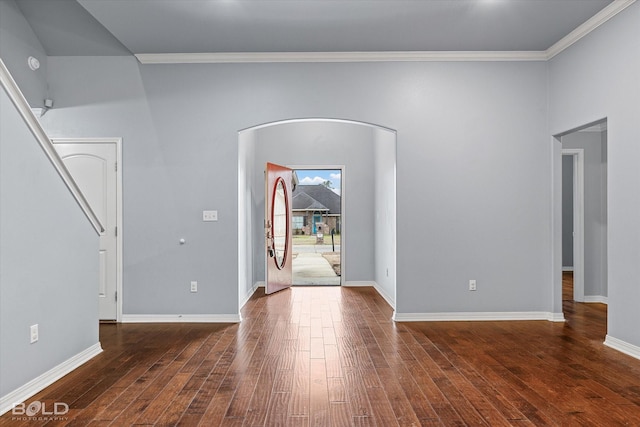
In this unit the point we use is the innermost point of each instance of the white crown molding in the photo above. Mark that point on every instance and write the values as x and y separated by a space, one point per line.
588 26
181 318
622 346
41 382
478 316
319 57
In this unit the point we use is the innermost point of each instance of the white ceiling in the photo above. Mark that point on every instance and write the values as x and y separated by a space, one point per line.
116 27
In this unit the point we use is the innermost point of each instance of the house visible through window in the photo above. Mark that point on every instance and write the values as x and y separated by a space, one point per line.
316 227
298 223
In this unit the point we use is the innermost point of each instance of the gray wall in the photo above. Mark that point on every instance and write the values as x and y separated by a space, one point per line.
468 207
594 79
48 261
595 203
567 211
385 223
17 43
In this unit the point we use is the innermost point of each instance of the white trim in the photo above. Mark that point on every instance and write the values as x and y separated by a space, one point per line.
578 221
556 317
41 382
596 299
249 294
478 316
588 26
319 57
622 346
384 295
315 120
180 318
119 203
373 284
358 283
583 30
21 104
567 268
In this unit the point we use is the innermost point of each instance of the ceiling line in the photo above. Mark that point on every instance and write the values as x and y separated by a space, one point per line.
391 56
588 26
581 31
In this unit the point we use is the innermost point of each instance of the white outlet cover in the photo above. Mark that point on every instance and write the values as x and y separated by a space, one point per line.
209 215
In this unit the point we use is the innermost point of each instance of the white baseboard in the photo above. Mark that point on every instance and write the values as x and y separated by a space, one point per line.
357 283
391 301
596 298
556 317
567 268
180 318
41 382
260 284
622 346
249 294
480 316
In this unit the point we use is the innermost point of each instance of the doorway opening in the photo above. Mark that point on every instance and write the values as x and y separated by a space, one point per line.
367 152
317 225
584 215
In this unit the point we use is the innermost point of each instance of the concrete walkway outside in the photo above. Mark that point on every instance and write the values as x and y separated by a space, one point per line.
311 268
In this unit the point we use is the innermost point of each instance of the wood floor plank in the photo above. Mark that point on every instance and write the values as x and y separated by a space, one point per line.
319 414
299 402
331 356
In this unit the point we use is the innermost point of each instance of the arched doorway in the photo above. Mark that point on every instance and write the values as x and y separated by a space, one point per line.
368 155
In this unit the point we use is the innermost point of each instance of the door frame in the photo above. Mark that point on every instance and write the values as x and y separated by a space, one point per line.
343 225
577 154
118 144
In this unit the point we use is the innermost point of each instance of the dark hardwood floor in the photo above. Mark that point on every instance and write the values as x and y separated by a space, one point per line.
331 356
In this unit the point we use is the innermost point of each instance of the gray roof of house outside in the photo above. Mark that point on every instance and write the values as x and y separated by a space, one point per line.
316 198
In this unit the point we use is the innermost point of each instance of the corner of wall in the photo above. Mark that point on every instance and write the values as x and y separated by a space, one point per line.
17 43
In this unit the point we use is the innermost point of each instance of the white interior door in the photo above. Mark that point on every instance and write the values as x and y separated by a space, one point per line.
94 168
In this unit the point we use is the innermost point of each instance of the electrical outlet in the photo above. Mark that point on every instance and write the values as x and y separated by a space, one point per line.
34 333
209 215
472 285
194 286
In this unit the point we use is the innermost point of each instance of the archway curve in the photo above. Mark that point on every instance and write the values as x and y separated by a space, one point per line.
371 158
316 120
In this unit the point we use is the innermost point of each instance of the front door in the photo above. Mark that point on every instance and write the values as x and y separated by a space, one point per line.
278 270
93 167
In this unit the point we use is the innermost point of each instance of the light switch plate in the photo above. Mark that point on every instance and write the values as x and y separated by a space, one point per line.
34 333
209 215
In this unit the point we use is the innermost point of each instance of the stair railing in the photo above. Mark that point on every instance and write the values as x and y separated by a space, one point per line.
19 101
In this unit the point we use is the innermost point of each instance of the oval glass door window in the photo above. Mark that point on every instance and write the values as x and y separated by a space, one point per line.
279 219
